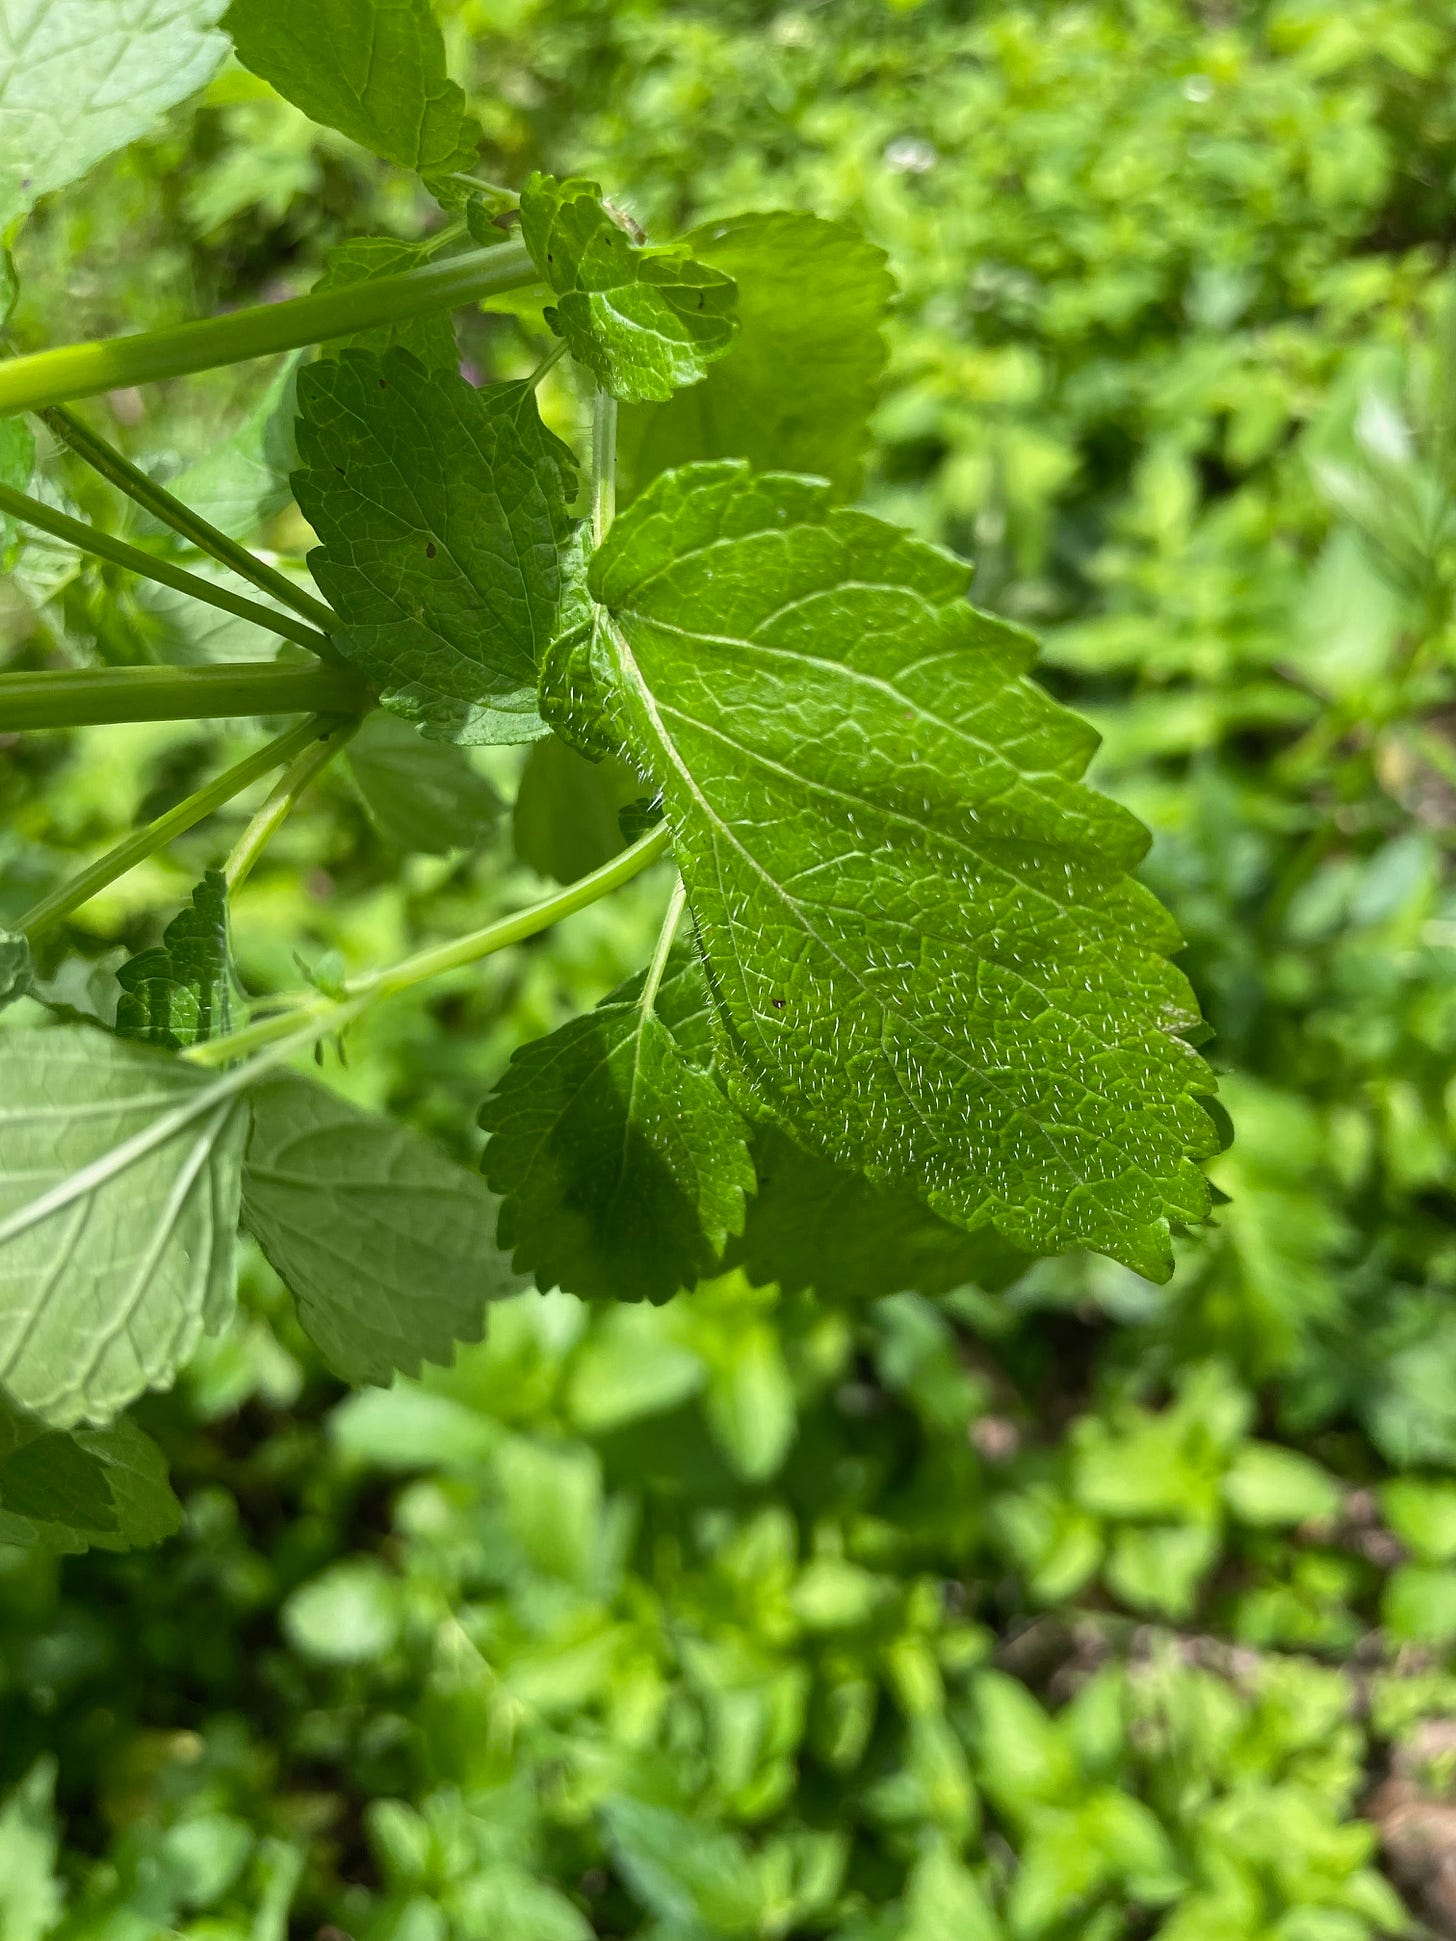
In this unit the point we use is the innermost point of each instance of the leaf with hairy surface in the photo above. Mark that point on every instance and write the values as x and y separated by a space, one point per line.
119 1179
927 953
442 513
180 992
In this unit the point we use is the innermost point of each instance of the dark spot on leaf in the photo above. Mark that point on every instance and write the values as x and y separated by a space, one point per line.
383 385
430 549
778 1004
340 470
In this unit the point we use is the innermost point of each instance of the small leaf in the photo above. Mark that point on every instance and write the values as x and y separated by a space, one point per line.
430 339
32 1898
373 69
926 949
423 796
83 80
623 1166
179 993
571 697
749 404
442 512
119 1180
105 1489
387 1247
15 967
644 321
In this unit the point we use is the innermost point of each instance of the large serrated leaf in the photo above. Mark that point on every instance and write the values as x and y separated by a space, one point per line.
623 1167
926 948
752 403
373 69
119 1181
387 1247
442 511
82 78
643 320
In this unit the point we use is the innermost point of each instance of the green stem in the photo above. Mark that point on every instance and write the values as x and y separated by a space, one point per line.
82 370
91 696
604 465
306 764
655 969
327 1014
102 545
142 843
119 471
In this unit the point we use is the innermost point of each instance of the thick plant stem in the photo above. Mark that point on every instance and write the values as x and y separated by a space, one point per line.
325 1014
141 843
604 465
82 370
117 552
301 771
119 471
93 696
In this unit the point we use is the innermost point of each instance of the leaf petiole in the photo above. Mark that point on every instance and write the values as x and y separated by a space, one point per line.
604 464
86 697
82 370
118 552
326 1015
309 762
119 471
144 842
664 946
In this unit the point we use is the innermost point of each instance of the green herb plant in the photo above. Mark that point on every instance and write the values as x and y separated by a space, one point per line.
905 979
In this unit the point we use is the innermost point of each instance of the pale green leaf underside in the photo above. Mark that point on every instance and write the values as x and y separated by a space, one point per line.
387 1247
106 1291
623 1167
754 402
73 1490
420 795
643 320
82 78
373 69
442 512
928 956
179 992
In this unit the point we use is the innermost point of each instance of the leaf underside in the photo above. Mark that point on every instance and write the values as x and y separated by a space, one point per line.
109 1293
442 513
388 1248
643 320
179 993
749 405
928 958
373 69
623 1167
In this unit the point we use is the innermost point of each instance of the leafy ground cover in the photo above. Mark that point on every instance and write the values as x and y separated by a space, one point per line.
907 1594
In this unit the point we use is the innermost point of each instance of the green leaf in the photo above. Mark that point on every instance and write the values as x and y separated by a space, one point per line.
423 796
623 1167
442 511
373 69
683 1870
180 992
242 482
567 816
17 463
571 697
87 1488
79 80
1268 1487
15 967
925 946
387 1247
31 1895
348 1615
643 320
795 391
119 1180
812 1224
431 339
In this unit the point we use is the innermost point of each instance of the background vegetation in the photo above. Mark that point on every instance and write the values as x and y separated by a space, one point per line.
875 1607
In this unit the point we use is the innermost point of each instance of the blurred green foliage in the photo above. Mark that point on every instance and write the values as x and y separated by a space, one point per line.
1074 1611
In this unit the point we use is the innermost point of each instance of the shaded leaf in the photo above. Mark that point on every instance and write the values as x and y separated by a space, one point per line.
753 403
925 946
643 320
387 1247
15 967
81 1489
180 992
431 338
119 1177
82 78
567 817
441 510
571 697
623 1167
423 796
373 69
